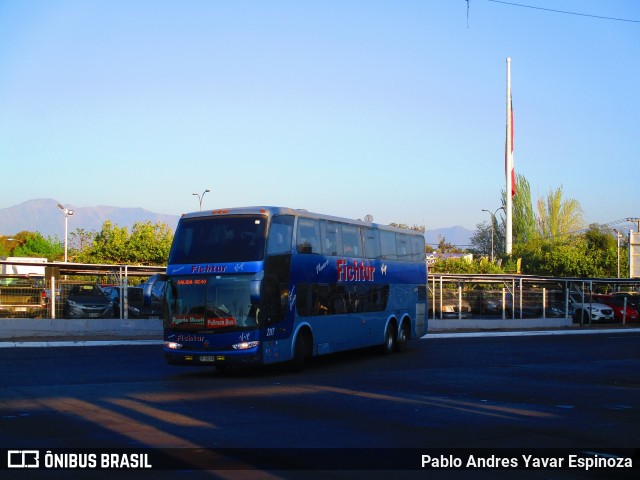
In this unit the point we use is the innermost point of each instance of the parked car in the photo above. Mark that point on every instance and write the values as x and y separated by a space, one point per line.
135 303
618 305
488 302
633 298
451 307
586 309
87 301
551 310
22 296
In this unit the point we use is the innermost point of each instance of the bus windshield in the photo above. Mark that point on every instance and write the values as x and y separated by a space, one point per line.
213 303
223 239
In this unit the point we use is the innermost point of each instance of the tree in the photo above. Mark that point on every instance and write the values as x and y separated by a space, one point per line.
417 228
109 246
446 247
81 239
558 217
33 244
6 246
523 216
147 244
481 239
590 254
464 266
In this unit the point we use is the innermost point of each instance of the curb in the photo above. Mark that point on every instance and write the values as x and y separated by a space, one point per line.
113 342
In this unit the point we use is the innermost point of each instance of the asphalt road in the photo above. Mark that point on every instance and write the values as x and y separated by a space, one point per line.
484 394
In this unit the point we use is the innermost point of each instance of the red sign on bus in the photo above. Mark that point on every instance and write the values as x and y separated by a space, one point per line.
221 322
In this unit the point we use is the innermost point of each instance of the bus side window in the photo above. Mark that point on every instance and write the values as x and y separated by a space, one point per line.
332 241
404 247
308 236
351 240
371 243
388 248
418 248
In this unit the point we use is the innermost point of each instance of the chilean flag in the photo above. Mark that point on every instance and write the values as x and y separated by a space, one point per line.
508 154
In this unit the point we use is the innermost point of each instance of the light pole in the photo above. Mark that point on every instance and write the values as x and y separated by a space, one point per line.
200 197
67 214
493 221
618 237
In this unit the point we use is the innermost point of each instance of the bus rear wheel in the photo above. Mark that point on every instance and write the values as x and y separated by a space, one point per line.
403 337
389 344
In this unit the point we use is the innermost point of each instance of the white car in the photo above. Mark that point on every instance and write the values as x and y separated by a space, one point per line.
584 310
452 307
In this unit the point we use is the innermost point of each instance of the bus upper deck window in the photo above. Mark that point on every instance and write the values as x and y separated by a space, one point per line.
308 235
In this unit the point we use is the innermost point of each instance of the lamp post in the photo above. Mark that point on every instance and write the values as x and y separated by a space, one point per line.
200 197
67 214
493 221
618 237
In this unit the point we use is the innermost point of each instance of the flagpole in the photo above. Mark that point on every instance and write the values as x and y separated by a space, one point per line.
508 157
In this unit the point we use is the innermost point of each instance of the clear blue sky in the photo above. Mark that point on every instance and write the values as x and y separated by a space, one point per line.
393 108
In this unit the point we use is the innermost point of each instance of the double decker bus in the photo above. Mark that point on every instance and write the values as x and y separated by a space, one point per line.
261 285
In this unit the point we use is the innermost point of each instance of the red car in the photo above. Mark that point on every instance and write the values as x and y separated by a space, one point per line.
617 304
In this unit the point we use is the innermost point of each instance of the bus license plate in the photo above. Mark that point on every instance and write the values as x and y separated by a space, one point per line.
207 358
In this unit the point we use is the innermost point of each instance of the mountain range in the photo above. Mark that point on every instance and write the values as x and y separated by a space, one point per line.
44 216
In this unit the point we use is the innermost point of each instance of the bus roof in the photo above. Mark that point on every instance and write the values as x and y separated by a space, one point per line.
271 211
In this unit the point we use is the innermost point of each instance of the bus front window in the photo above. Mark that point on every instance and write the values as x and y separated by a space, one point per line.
214 304
219 239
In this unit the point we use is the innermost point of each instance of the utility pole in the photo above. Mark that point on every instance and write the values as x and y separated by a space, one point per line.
67 214
618 237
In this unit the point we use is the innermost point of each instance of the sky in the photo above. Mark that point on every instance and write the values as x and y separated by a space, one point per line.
393 108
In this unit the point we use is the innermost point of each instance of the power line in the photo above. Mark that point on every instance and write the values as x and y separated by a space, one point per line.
566 12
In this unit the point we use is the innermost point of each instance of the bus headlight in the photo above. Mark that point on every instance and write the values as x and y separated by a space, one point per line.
245 345
173 345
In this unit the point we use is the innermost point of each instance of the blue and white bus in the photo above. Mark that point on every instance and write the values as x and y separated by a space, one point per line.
260 285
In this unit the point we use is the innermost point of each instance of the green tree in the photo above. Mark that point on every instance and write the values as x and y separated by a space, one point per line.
447 247
81 239
481 240
109 246
150 244
6 246
147 244
417 228
589 254
523 217
558 217
33 244
464 266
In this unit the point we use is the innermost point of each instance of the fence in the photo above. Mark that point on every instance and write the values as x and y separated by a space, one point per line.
521 297
71 290
502 299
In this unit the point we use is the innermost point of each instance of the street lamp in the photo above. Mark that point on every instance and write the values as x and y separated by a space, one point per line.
493 221
67 214
200 197
618 237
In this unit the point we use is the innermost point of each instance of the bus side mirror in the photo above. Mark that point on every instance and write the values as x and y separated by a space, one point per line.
256 287
149 284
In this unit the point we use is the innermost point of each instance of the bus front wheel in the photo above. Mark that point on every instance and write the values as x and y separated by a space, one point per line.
301 351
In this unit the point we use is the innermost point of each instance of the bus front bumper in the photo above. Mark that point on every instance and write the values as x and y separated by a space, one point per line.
207 358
